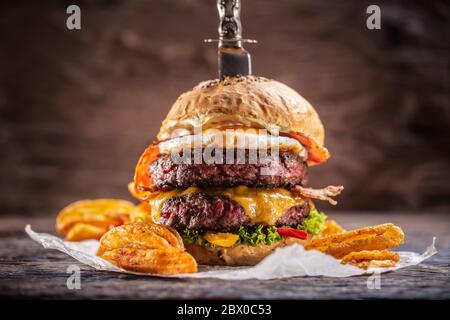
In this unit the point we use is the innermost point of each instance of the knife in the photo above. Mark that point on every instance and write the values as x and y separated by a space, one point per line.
233 59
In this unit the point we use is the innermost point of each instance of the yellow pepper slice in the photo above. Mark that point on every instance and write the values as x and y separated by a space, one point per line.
221 239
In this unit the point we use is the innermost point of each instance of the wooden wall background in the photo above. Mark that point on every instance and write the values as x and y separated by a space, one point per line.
78 107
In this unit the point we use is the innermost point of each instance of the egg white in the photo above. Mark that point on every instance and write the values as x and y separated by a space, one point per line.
238 140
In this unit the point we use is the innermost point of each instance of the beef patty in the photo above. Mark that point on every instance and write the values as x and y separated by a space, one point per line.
217 213
288 171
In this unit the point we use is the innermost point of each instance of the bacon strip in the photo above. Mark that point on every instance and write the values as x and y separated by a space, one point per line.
143 184
316 153
321 194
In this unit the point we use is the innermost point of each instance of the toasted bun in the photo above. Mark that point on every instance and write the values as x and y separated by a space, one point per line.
245 102
240 255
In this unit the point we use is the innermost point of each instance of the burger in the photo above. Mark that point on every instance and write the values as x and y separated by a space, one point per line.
229 170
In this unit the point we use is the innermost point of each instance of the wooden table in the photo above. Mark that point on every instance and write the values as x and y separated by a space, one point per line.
30 271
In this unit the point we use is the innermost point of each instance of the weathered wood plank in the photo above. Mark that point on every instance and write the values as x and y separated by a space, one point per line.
28 270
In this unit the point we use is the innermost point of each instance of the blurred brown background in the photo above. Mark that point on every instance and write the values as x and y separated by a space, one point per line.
78 107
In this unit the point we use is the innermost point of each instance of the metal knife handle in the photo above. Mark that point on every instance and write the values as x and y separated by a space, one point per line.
230 27
233 59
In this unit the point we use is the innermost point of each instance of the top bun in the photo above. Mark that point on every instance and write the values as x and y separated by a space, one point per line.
246 102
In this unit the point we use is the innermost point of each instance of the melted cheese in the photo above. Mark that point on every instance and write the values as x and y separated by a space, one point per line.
262 206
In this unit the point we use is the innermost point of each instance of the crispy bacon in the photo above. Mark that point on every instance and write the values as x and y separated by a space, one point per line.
143 184
321 194
316 153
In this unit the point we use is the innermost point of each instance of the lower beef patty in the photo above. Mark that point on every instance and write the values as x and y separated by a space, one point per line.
217 213
288 171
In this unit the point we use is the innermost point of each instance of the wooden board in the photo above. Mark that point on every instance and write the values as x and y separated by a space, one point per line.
29 271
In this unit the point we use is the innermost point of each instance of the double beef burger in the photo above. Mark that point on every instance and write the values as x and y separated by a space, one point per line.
229 170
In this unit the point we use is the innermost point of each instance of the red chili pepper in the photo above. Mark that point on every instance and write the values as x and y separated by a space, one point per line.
295 233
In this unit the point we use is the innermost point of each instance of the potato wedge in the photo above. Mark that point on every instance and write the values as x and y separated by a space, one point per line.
371 258
138 235
103 213
146 247
331 227
371 255
376 264
160 261
378 237
82 231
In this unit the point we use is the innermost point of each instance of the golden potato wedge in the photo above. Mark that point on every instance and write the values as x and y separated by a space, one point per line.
168 260
143 213
101 213
83 231
331 227
179 239
146 247
371 255
376 264
138 235
378 237
371 258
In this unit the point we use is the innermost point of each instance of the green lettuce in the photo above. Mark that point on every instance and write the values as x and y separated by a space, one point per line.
314 223
190 235
260 235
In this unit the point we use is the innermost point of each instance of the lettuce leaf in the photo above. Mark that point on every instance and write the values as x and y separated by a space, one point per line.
190 235
260 235
314 223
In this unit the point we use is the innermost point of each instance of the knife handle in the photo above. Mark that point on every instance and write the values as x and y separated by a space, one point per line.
230 27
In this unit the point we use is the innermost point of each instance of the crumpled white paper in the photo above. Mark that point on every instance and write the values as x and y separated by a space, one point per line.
292 261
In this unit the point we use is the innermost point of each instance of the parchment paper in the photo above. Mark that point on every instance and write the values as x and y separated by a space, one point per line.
292 261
